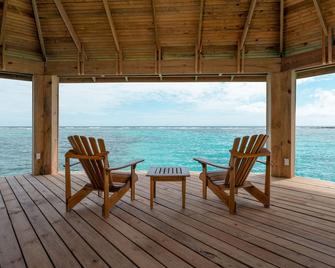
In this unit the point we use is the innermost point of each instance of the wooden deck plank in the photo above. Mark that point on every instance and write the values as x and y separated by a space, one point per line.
194 244
162 255
10 253
31 247
297 230
289 226
60 255
105 249
258 231
128 247
81 250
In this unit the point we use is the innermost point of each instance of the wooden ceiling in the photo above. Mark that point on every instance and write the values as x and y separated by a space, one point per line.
161 30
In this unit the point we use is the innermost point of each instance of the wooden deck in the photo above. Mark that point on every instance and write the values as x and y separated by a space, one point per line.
35 231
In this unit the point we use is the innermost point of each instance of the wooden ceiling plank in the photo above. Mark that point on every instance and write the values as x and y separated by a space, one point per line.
3 22
68 24
111 25
320 16
247 23
39 29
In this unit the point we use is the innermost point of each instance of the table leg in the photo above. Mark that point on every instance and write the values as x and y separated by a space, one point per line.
154 188
184 191
152 185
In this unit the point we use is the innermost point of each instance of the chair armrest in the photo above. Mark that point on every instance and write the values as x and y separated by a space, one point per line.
206 162
262 162
130 164
74 164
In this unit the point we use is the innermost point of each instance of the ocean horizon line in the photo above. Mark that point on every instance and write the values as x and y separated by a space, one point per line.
166 126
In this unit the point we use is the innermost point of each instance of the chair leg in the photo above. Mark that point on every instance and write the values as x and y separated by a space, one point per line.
67 183
232 203
132 189
204 188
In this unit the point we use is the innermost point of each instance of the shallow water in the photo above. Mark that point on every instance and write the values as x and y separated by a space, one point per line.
171 146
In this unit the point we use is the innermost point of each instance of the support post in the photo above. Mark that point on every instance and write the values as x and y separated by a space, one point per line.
283 118
45 124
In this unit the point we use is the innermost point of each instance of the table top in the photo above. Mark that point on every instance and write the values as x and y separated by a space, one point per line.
168 171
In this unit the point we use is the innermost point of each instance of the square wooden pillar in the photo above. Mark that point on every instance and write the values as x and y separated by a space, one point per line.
282 120
45 124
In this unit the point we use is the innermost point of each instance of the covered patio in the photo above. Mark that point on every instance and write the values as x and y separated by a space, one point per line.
277 41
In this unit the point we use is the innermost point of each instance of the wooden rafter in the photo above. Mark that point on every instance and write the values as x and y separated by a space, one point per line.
3 22
111 25
2 34
281 27
330 45
39 29
247 23
154 17
68 24
201 17
157 42
115 38
320 16
198 47
81 52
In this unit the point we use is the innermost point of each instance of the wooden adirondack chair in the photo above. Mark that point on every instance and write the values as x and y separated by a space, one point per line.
93 157
226 181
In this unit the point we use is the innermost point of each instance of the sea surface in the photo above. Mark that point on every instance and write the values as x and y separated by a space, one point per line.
315 154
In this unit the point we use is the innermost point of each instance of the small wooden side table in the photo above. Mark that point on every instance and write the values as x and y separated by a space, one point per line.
167 174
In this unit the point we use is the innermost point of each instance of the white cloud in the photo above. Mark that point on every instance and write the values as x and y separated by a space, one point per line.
303 81
320 111
220 97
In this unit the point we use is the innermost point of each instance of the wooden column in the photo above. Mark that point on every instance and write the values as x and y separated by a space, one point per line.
45 124
282 129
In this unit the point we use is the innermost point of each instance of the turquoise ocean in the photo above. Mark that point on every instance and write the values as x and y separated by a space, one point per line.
172 146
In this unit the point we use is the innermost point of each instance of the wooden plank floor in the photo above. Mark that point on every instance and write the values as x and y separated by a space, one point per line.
35 231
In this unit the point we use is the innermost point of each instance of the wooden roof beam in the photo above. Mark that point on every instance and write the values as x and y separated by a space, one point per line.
157 42
320 16
68 25
111 25
201 18
247 23
3 22
281 27
39 29
198 46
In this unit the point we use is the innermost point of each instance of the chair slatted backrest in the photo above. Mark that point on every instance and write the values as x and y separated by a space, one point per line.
94 168
246 146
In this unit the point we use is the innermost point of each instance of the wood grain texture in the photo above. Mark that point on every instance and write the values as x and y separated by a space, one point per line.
283 108
45 124
171 29
297 231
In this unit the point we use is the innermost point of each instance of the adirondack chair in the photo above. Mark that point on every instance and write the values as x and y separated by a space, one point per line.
93 157
226 181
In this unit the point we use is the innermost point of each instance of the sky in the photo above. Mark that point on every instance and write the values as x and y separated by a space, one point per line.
169 104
